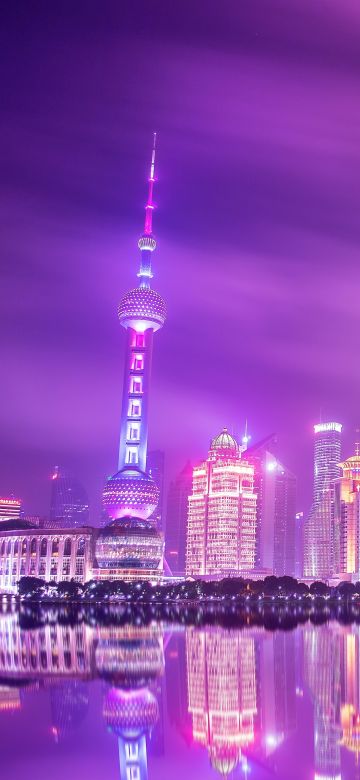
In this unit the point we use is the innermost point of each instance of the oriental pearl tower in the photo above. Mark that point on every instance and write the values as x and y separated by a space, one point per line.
131 495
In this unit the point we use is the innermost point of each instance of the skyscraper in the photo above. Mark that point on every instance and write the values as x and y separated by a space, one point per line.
156 468
346 491
319 540
131 542
221 528
176 519
69 504
299 544
327 455
284 521
275 488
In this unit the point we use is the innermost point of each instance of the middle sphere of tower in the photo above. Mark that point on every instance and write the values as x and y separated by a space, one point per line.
130 712
130 493
142 308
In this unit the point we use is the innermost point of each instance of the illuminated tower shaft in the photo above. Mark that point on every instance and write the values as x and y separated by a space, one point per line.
135 400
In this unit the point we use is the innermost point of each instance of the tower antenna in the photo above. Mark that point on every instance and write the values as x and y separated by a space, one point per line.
149 208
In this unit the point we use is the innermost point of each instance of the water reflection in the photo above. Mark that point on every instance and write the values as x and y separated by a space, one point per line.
282 704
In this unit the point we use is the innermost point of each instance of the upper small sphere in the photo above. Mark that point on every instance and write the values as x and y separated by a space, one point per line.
142 308
225 444
147 242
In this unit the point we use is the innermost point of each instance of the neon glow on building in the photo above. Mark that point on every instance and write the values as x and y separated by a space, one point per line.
221 528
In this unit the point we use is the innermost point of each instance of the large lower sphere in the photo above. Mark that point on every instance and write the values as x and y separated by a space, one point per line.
130 493
129 544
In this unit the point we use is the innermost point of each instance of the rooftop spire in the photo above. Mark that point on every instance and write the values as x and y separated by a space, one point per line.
147 242
150 206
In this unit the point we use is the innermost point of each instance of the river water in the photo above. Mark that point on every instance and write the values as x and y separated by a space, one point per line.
168 702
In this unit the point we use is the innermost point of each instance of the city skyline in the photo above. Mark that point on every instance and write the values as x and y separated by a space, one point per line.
277 207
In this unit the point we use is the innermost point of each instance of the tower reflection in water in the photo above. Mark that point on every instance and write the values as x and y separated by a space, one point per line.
234 694
132 660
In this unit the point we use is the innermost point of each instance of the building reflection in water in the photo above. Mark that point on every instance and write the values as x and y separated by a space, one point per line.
231 692
69 704
222 693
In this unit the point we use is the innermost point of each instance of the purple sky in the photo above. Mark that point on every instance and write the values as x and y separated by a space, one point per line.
258 119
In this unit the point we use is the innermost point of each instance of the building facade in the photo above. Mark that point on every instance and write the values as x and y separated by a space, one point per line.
221 527
69 503
275 487
346 494
156 467
52 556
176 519
284 521
319 531
10 509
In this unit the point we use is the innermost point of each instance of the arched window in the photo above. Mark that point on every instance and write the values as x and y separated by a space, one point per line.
81 547
24 547
16 547
55 547
43 548
33 546
3 548
8 549
67 546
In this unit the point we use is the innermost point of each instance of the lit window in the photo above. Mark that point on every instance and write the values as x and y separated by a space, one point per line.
133 773
131 751
132 455
134 409
137 363
136 385
134 431
140 340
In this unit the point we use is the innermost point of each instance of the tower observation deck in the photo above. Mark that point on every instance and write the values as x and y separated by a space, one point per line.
132 493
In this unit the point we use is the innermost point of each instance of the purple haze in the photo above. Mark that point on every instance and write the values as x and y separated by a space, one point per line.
257 113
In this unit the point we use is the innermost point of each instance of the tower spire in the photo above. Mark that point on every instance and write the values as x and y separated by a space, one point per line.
147 242
150 206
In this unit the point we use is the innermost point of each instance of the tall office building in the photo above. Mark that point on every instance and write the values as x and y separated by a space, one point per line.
156 468
284 521
221 528
69 504
10 508
319 532
275 488
346 490
176 519
131 541
299 544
